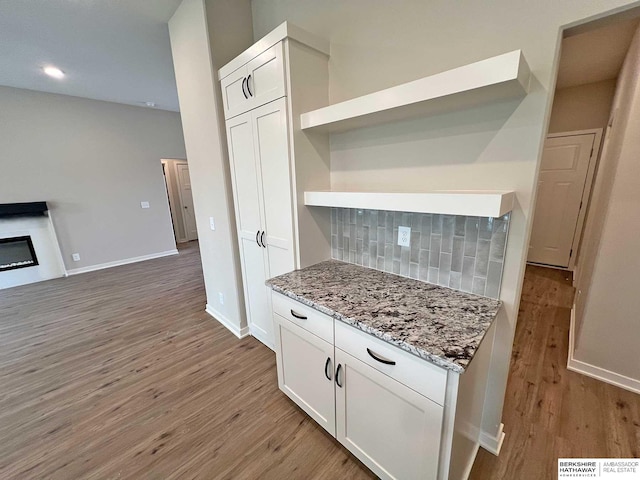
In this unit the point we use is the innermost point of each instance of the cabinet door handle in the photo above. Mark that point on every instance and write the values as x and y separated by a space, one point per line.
262 239
248 87
326 365
338 375
257 241
244 92
380 358
297 315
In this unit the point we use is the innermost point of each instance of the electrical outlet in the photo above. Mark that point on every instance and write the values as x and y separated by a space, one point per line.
76 257
221 298
212 224
404 236
144 204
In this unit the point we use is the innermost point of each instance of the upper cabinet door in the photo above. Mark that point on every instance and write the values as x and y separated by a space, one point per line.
258 82
272 150
265 76
235 97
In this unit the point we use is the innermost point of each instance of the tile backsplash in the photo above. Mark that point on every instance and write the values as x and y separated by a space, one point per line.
465 253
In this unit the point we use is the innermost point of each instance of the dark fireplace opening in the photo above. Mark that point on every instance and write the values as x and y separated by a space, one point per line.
17 252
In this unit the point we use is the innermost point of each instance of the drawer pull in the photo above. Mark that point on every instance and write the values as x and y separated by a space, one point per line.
338 375
248 87
297 315
326 365
244 92
380 358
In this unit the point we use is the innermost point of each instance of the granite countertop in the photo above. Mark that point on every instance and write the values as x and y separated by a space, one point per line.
436 323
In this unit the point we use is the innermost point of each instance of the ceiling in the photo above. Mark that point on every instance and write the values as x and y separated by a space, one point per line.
595 55
113 50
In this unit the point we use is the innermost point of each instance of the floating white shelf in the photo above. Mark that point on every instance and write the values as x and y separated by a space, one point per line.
476 203
501 77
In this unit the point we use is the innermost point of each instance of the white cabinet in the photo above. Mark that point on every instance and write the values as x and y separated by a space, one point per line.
259 158
258 82
382 404
392 429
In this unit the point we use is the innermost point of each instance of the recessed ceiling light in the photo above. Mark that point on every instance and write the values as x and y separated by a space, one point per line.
150 104
54 72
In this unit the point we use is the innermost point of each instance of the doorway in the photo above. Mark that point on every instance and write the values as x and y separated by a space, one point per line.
179 194
564 184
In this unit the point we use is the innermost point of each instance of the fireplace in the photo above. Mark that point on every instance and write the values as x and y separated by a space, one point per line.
17 252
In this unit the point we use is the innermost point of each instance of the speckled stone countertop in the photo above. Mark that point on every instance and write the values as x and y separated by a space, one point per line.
438 324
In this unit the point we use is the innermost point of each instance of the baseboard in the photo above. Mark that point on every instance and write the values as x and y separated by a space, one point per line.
493 443
469 467
602 374
117 263
238 332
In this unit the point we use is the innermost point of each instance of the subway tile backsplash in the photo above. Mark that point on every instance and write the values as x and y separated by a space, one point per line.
465 253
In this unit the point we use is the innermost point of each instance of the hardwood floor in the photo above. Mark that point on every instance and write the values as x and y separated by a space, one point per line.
121 374
550 412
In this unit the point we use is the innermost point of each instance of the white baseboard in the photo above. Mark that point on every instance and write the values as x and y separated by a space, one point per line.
493 443
593 371
472 460
117 263
238 332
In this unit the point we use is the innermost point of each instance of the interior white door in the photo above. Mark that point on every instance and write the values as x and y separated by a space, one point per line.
248 204
186 201
391 428
272 151
561 183
305 371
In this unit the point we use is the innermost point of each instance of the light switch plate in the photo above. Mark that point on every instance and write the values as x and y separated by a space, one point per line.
144 204
75 257
212 224
404 236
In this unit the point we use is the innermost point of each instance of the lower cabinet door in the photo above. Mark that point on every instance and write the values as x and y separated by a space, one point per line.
391 428
305 371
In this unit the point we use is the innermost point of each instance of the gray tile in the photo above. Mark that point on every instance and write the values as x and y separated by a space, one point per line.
396 267
423 272
334 219
388 258
478 285
455 279
380 263
415 245
485 227
389 231
352 236
381 235
405 254
423 258
447 233
456 256
460 225
382 218
433 275
352 256
396 251
406 219
334 253
494 276
482 258
416 222
365 235
366 218
436 223
470 237
345 243
359 246
498 244
445 269
359 220
338 255
352 216
373 220
468 265
373 249
340 234
426 224
501 224
373 234
334 241
414 270
397 219
434 258
365 259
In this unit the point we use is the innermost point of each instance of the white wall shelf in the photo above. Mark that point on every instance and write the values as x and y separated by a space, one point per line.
477 203
496 78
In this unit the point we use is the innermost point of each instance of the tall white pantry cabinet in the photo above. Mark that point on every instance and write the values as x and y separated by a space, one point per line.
264 91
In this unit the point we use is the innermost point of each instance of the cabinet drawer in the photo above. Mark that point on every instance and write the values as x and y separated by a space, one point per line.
258 82
421 375
311 320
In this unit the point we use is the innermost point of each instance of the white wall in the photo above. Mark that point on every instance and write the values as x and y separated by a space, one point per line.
377 44
582 107
93 162
607 304
195 49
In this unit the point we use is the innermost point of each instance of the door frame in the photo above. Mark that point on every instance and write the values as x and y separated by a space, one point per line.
594 159
171 195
